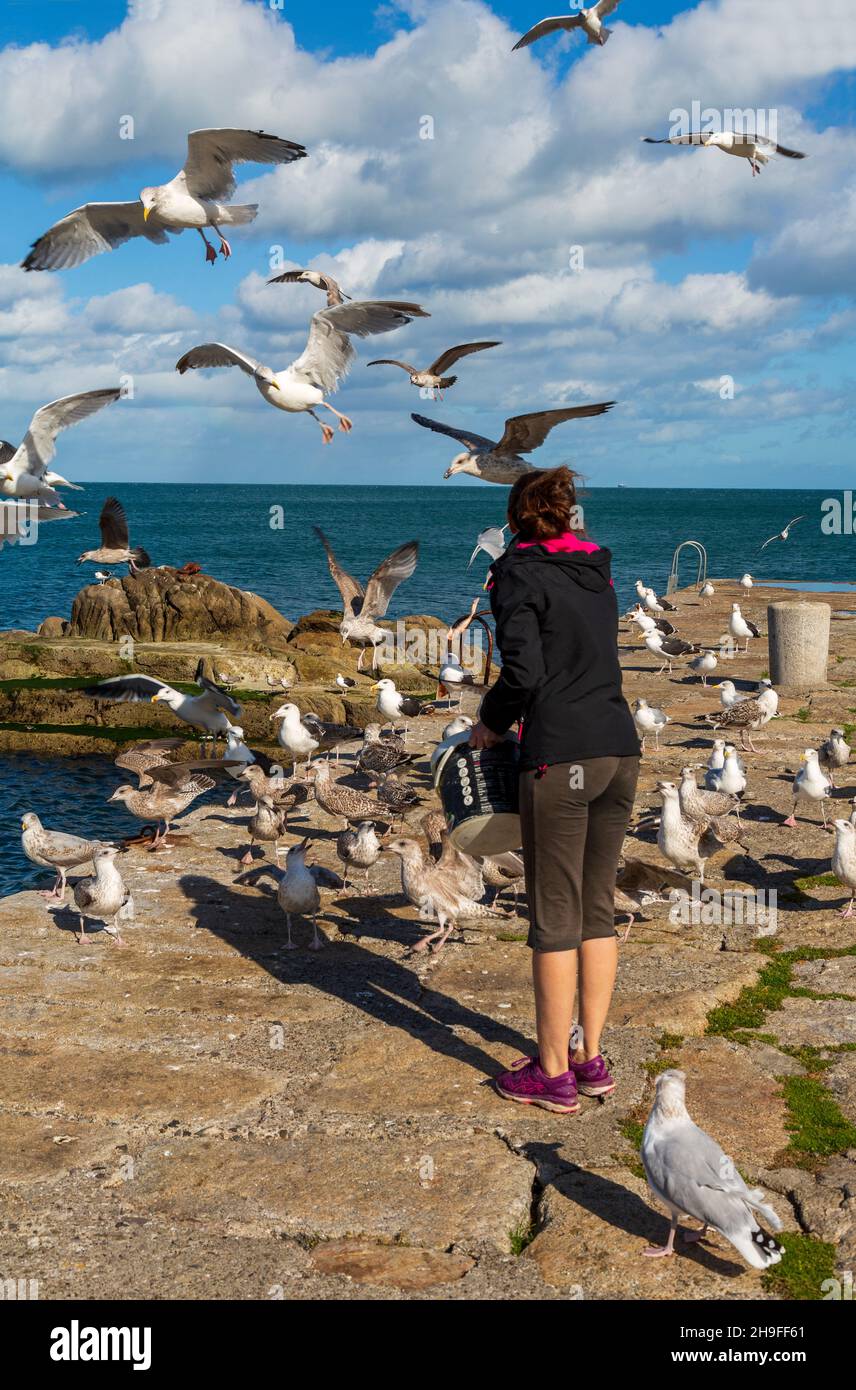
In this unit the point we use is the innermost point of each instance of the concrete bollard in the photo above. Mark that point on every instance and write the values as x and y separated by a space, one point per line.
799 644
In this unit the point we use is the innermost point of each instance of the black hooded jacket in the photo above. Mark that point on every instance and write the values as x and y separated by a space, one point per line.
557 631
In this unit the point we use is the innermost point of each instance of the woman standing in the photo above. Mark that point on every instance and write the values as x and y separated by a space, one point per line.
556 625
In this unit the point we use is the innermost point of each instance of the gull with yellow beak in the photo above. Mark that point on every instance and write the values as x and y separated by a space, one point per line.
214 710
811 784
323 364
194 199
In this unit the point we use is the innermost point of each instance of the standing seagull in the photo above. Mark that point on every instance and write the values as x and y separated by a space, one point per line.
104 896
648 720
747 583
24 472
191 200
293 735
332 288
738 626
115 547
590 21
688 1172
297 893
706 592
501 462
834 753
361 607
431 378
784 534
323 364
810 784
844 859
703 665
756 148
669 648
53 849
395 705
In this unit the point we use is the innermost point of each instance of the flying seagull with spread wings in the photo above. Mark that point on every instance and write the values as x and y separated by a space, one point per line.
324 362
432 379
501 462
115 541
321 281
195 199
758 149
362 606
213 709
24 471
590 21
784 534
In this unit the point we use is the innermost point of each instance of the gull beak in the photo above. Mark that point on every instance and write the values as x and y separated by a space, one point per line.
155 699
448 473
146 212
375 686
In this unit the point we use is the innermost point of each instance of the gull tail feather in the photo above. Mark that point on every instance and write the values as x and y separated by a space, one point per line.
238 214
758 1250
446 382
141 558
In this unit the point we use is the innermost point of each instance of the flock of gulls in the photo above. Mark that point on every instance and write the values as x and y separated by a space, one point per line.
369 789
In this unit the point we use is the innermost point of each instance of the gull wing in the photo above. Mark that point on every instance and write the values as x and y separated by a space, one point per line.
474 442
220 697
526 432
328 354
452 355
91 229
113 525
39 445
548 26
393 362
351 589
209 171
134 688
384 581
335 293
216 355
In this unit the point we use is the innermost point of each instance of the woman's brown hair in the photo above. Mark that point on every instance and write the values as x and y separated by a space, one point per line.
543 504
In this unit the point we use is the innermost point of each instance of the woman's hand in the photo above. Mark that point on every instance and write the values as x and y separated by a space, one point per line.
483 737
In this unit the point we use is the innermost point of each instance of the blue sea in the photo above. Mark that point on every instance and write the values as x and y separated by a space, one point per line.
228 531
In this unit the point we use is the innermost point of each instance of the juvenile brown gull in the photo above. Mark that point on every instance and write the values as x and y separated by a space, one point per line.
346 802
434 890
318 278
432 378
323 364
833 753
361 607
358 849
171 790
500 461
193 199
54 849
115 541
104 896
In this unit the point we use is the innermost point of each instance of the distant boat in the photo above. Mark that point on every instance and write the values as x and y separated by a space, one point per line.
621 485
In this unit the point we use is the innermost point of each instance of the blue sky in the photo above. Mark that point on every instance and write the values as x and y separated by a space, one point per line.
693 272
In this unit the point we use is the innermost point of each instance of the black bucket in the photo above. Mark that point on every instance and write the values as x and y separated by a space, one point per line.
479 791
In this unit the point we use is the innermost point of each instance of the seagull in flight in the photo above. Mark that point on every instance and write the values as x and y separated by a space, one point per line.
24 471
321 281
502 462
758 149
323 364
432 379
784 534
193 199
491 541
590 21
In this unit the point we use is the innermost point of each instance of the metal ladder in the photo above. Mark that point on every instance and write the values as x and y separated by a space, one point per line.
702 565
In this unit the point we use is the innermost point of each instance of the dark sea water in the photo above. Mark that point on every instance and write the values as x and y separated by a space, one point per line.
228 531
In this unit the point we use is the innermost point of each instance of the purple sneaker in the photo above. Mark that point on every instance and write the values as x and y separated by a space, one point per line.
529 1086
593 1078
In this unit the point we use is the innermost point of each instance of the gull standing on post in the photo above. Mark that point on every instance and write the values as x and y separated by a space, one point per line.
362 606
24 471
501 462
323 364
193 199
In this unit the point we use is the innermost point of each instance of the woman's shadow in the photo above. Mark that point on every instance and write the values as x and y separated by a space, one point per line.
382 988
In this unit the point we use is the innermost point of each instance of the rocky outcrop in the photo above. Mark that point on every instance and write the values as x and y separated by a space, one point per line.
165 605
